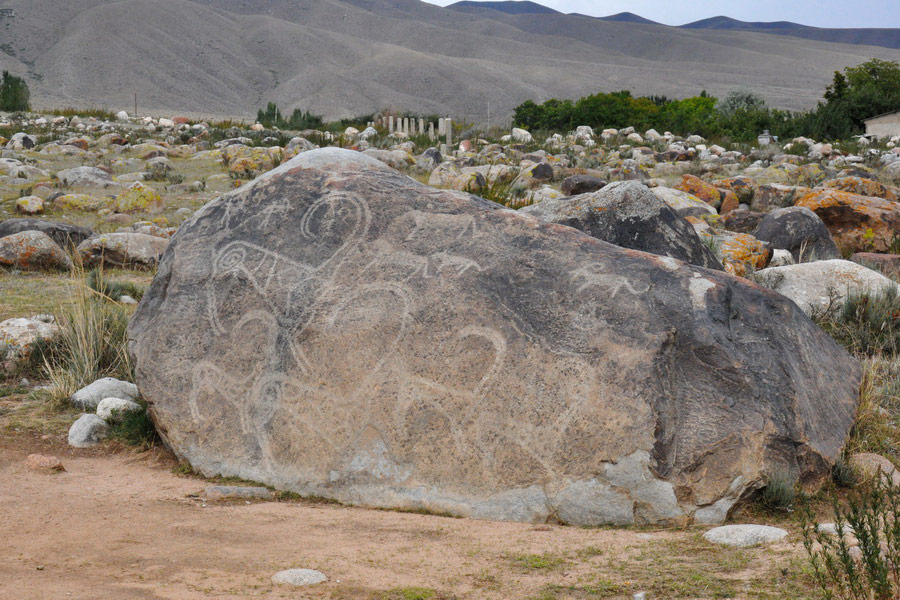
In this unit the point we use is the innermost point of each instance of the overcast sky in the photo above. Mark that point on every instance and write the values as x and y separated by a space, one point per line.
819 13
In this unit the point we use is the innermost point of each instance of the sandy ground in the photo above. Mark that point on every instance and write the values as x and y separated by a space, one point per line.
121 525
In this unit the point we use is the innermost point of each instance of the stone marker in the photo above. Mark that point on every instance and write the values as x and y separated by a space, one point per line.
335 328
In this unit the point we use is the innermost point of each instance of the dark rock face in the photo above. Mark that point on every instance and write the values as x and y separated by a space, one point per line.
581 184
62 233
628 214
337 329
799 231
742 221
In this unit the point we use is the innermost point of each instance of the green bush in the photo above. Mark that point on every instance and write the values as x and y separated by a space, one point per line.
14 94
134 428
872 570
114 290
779 494
867 324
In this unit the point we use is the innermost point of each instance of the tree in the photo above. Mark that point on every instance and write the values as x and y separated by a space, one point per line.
859 93
14 94
741 101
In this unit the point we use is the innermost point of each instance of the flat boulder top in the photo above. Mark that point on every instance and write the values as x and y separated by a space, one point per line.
337 329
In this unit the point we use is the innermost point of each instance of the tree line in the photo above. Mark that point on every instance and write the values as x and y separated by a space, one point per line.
856 94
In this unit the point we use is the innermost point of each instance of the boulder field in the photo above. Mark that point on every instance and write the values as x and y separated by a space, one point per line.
337 329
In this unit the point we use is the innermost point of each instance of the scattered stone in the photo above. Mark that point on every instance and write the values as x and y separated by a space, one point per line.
857 223
823 285
30 205
869 464
89 430
581 184
44 464
799 231
685 204
109 408
138 197
629 214
62 233
89 397
85 177
125 249
18 336
569 377
32 251
299 577
744 536
229 492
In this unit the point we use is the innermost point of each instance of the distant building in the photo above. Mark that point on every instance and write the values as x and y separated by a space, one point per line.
886 125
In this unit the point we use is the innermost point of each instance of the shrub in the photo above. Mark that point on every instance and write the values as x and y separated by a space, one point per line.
872 517
14 93
779 494
114 290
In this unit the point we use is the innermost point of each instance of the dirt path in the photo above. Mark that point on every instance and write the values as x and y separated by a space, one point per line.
123 526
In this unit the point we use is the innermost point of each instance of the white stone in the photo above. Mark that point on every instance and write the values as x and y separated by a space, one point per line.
88 397
108 407
816 286
744 536
521 136
781 258
299 577
122 116
88 430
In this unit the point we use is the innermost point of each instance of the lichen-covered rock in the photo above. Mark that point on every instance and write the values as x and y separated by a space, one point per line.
857 223
628 214
18 336
799 231
697 187
138 197
770 196
338 329
32 251
864 187
743 187
78 202
449 177
85 177
742 221
740 253
685 204
30 205
124 249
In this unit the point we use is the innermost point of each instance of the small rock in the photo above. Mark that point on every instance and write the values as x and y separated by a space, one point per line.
108 408
299 577
30 205
744 536
89 430
227 492
44 464
126 299
868 464
89 397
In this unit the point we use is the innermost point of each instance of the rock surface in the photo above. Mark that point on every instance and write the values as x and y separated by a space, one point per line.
228 492
89 397
124 249
337 329
299 577
109 409
857 223
745 536
799 231
822 285
628 214
87 431
32 251
62 233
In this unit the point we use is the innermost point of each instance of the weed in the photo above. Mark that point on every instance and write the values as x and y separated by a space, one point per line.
533 562
90 344
868 323
134 428
411 593
872 571
114 290
843 474
877 425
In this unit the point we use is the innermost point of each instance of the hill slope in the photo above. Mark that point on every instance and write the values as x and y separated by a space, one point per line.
351 57
888 38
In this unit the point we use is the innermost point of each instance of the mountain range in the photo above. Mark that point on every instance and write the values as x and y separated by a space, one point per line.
351 57
888 38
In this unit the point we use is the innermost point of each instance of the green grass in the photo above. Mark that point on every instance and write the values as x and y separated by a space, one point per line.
134 428
536 562
866 324
411 593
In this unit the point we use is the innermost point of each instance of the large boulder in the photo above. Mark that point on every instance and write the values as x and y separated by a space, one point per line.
799 231
628 214
857 223
823 285
63 234
122 249
32 251
338 329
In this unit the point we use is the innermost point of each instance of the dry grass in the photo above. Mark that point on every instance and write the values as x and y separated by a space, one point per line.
877 427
